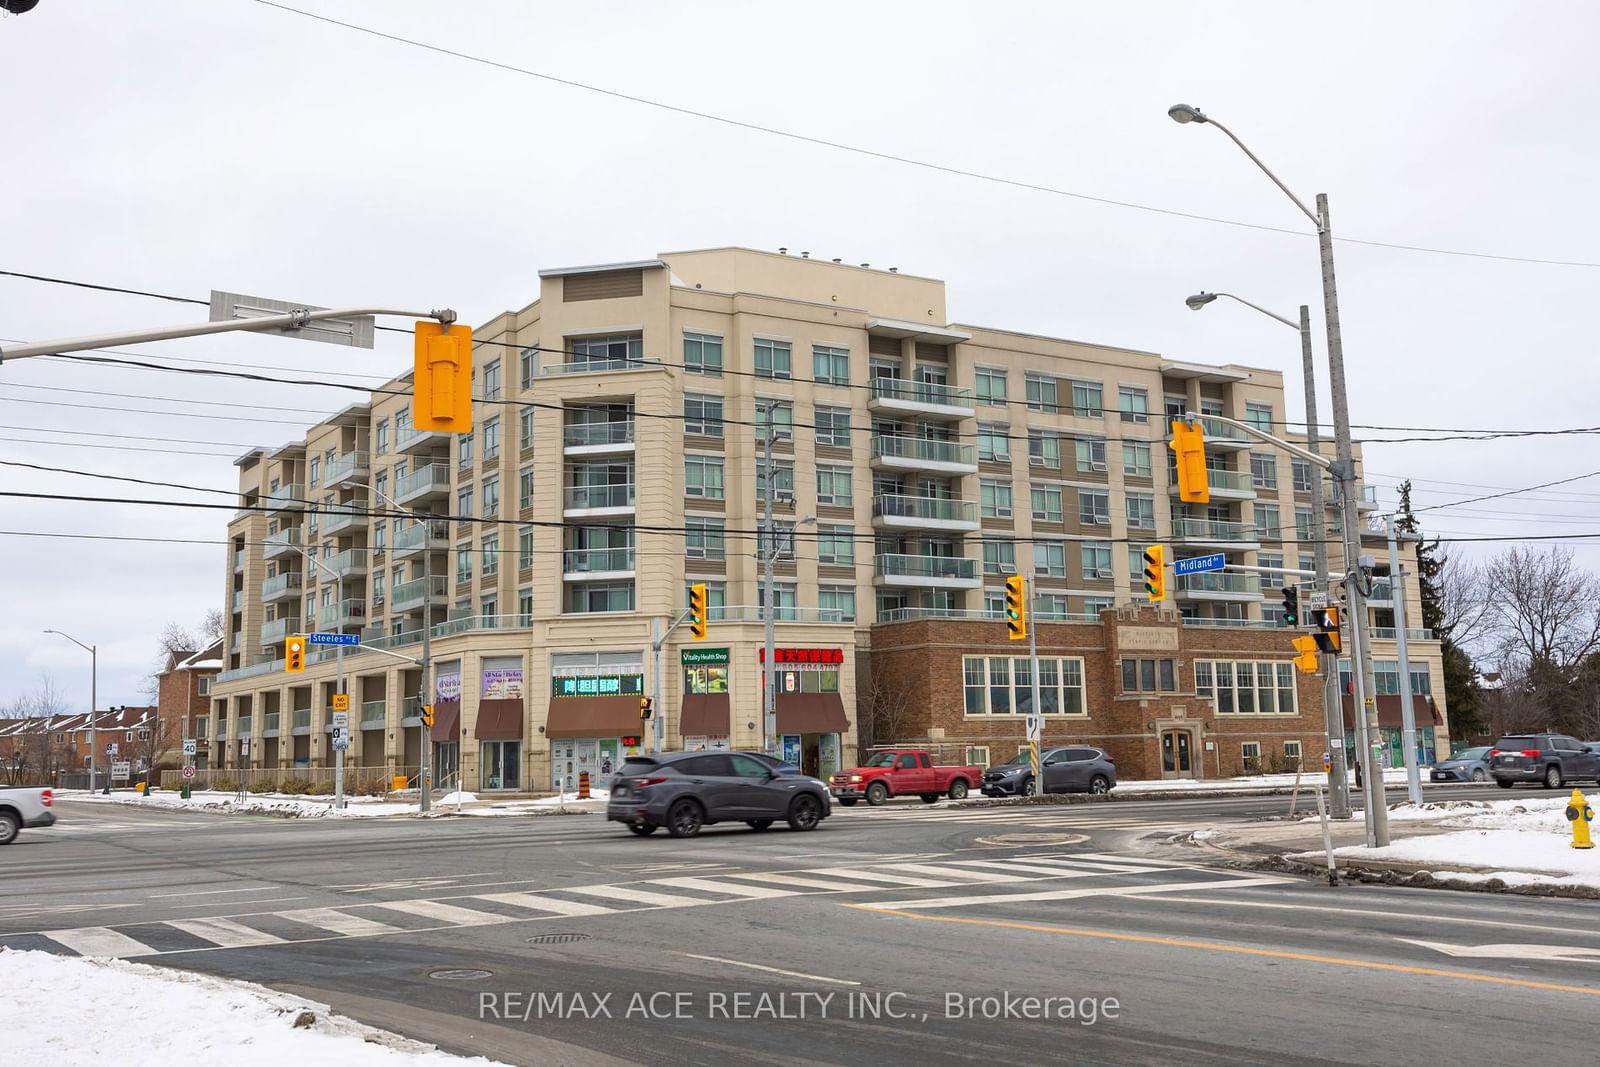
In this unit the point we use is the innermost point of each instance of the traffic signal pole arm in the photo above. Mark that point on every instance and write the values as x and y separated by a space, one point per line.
385 652
290 321
1294 450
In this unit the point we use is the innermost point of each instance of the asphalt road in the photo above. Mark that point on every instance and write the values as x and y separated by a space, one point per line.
889 935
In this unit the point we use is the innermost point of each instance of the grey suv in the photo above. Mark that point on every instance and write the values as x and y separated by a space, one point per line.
1551 759
684 791
1075 769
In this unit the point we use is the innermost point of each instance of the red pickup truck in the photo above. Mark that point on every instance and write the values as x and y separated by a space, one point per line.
902 772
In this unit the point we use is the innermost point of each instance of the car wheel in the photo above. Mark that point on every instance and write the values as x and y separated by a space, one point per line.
642 829
8 828
685 819
1480 775
877 793
1099 784
1552 777
804 812
1502 783
1030 788
847 802
930 798
958 789
759 824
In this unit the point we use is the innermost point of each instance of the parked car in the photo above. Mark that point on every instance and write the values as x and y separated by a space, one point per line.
1074 769
903 772
1550 759
24 806
1468 765
684 791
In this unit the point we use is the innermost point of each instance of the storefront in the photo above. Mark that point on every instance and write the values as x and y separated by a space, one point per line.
704 717
1391 746
498 730
593 723
446 733
810 712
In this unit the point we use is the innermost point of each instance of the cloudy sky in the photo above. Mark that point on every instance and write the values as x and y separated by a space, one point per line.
178 146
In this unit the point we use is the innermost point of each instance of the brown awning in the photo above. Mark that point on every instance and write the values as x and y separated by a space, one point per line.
594 717
499 720
811 713
1389 711
446 720
704 715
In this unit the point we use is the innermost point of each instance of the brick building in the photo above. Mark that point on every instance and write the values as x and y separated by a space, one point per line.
183 691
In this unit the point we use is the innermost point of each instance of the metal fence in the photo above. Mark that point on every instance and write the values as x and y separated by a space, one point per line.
314 781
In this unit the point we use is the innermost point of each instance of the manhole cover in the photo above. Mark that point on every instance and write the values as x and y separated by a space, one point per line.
464 974
1031 840
556 939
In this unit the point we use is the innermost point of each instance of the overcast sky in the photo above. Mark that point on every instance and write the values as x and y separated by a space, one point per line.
184 145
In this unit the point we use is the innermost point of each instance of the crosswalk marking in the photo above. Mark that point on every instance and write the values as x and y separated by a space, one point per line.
808 883
224 932
1033 868
549 904
1064 894
449 913
339 922
97 941
892 879
952 872
622 892
1102 866
706 885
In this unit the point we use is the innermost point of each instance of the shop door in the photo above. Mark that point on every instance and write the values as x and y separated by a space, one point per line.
1175 756
587 762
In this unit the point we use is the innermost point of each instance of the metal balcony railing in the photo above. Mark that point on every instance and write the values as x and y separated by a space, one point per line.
576 434
1219 583
919 566
922 450
937 509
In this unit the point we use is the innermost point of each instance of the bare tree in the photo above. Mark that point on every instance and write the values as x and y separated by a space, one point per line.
212 628
881 712
1542 608
1465 596
151 742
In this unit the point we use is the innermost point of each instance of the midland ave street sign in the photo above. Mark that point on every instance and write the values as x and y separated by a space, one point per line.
1198 564
341 639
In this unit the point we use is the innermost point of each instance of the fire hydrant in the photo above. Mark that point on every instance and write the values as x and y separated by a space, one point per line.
1580 815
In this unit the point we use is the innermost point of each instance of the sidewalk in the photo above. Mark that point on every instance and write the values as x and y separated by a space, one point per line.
300 806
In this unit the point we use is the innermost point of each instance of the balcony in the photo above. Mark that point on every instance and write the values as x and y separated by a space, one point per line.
591 366
283 543
419 537
1389 633
409 439
927 572
590 564
1367 500
373 714
583 501
351 563
414 595
922 454
350 467
424 484
597 438
923 512
753 613
1218 586
273 631
301 722
238 601
349 516
342 613
1215 532
1226 484
269 724
1382 595
234 642
468 623
238 562
266 666
899 396
281 587
1222 437
290 497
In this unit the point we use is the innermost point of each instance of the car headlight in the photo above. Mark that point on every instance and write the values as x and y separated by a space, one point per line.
855 778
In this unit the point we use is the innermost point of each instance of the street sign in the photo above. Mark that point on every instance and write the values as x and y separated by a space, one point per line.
244 746
121 771
188 770
333 639
341 702
1199 564
341 720
355 332
341 738
188 746
111 750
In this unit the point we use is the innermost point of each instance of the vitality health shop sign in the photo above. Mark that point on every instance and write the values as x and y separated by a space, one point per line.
705 670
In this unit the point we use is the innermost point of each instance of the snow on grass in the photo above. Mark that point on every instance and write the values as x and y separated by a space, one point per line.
1394 775
226 802
165 1016
1492 853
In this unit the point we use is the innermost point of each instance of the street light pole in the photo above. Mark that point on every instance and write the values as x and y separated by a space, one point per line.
94 678
425 741
338 685
1344 472
768 548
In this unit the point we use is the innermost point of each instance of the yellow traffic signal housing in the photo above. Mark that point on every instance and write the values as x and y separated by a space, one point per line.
442 378
1307 658
427 715
645 708
294 654
1155 573
697 611
1327 632
1016 607
1189 444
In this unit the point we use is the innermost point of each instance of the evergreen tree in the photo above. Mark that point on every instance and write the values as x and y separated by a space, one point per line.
1460 677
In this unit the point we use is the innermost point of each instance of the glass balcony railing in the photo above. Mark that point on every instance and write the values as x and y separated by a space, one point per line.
343 611
918 566
1248 584
589 366
372 714
419 534
274 631
922 450
279 585
269 722
302 719
924 508
914 392
281 542
340 468
1233 481
598 496
1218 430
292 495
350 561
433 478
781 613
408 596
238 599
1212 530
1382 592
576 434
345 515
593 560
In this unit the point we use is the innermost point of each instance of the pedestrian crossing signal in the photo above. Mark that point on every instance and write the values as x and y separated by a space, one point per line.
1155 573
294 654
1016 607
1327 632
697 611
645 708
427 715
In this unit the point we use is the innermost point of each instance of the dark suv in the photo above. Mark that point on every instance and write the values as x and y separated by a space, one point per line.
1550 759
1066 770
684 791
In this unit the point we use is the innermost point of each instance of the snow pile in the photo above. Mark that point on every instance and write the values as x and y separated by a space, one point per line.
1544 814
601 795
1394 775
161 1015
224 802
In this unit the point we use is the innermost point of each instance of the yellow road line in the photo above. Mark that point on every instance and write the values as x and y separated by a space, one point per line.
1241 950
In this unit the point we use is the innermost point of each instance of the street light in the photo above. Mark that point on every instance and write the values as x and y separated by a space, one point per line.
1343 469
94 676
1333 720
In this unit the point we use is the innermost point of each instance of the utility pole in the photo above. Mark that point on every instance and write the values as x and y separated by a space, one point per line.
768 549
1036 716
338 685
1408 713
425 741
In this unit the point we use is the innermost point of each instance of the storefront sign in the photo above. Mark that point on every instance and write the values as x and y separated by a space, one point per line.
502 684
1147 638
447 687
597 685
695 657
802 655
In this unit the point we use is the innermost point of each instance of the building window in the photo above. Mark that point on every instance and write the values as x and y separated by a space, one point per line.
1258 416
833 486
1247 687
491 556
1044 449
1136 458
203 686
773 359
1300 470
995 499
463 563
1046 501
994 603
994 442
1087 400
833 426
1003 685
525 607
1266 516
1096 560
1141 511
380 535
836 545
702 477
830 365
999 557
606 353
1291 753
381 437
585 598
785 602
1133 403
464 503
782 416
464 451
491 380
491 438
837 603
1094 507
1305 523
528 366
702 415
704 539
716 599
782 479
1250 754
1041 392
491 498
1091 454
1263 471
702 354
525 428
1050 605
1149 675
991 386
316 472
524 549
1050 559
525 488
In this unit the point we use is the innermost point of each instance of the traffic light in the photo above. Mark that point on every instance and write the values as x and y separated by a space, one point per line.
1016 607
427 715
294 654
442 378
1306 661
1291 605
645 709
697 611
1189 443
1327 631
1155 573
